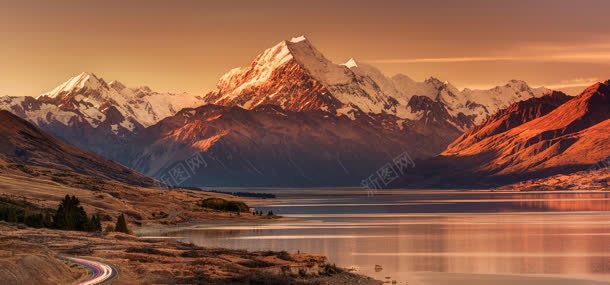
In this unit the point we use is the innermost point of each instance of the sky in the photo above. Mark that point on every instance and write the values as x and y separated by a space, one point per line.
186 45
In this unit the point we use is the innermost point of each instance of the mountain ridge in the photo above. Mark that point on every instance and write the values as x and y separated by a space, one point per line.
557 135
25 145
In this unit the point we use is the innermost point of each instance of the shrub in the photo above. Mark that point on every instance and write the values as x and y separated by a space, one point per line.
109 229
223 205
330 269
284 255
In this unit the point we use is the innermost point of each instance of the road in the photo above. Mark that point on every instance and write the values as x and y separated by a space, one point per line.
101 273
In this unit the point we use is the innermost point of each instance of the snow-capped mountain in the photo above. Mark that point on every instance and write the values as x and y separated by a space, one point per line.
91 113
97 101
296 76
291 117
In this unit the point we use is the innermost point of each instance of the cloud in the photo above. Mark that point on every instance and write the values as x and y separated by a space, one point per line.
594 52
441 59
576 82
597 57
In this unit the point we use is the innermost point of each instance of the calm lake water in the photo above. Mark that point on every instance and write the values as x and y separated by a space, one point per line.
436 237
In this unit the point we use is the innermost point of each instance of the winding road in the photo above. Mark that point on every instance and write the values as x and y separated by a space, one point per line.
102 273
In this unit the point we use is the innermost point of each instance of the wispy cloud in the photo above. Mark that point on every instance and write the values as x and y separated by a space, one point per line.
576 82
598 57
440 59
593 52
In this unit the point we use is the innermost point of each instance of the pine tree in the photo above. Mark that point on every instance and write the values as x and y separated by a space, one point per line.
121 225
94 224
70 215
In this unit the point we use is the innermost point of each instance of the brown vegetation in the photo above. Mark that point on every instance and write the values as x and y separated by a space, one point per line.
149 261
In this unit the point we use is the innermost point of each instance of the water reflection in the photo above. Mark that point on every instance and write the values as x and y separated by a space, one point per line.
480 233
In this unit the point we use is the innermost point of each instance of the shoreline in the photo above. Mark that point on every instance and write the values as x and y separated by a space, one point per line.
150 261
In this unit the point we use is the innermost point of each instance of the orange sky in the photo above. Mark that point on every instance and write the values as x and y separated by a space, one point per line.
187 45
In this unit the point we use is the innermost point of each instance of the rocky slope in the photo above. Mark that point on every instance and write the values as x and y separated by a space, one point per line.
532 139
269 146
582 180
511 117
23 145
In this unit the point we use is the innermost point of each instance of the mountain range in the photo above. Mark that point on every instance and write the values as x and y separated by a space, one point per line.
532 139
293 118
91 113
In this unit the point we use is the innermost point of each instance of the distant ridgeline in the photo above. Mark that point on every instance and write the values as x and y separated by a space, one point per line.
247 194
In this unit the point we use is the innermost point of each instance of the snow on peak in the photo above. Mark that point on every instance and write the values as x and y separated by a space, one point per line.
259 71
298 39
88 99
117 85
352 83
85 79
351 63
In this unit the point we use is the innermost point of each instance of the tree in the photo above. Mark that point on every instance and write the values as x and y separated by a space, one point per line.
70 215
94 224
121 225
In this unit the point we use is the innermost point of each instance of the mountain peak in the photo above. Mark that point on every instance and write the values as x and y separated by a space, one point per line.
298 39
117 85
439 84
83 80
435 81
518 84
597 95
351 63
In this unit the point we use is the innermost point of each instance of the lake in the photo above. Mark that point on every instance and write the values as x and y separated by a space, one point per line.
436 237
